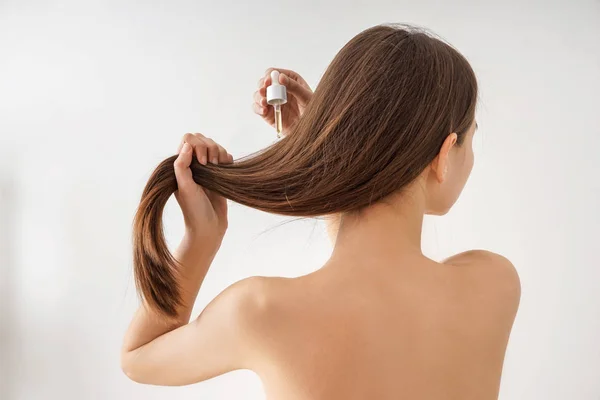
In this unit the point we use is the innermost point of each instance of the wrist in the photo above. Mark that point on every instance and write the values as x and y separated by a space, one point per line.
202 246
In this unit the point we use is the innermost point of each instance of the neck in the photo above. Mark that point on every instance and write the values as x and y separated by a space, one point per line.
388 229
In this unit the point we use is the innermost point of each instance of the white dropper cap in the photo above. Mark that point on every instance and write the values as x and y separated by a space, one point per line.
276 93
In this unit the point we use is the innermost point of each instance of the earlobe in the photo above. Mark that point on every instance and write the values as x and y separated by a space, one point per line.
444 172
439 168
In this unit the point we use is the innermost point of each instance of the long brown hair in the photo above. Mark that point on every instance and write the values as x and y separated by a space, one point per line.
376 120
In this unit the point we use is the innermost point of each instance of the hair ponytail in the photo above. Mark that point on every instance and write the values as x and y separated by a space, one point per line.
154 266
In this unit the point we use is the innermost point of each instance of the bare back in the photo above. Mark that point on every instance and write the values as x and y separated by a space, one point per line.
430 331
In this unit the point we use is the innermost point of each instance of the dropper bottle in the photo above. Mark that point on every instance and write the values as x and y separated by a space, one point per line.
276 96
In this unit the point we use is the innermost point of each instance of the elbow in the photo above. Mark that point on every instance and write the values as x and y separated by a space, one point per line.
130 369
139 372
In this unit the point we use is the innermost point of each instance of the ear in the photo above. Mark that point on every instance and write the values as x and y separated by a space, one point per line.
441 163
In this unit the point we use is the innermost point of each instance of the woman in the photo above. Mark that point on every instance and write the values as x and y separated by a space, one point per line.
385 139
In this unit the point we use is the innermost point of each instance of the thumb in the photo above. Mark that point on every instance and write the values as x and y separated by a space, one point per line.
183 173
302 93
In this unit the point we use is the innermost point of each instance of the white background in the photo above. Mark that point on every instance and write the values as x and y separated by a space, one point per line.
93 95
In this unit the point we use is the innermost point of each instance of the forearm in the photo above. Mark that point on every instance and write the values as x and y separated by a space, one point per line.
147 325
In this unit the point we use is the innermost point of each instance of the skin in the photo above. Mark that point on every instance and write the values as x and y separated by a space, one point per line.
378 320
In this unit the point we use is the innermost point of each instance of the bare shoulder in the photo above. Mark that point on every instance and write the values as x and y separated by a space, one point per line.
252 302
493 272
482 257
251 310
253 295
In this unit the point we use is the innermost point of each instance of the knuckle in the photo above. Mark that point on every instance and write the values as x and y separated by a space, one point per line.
200 151
212 146
179 163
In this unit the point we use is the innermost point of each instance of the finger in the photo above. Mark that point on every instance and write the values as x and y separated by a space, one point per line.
183 173
302 93
269 116
223 156
261 82
260 100
213 150
182 142
230 158
199 146
259 109
288 72
292 74
202 148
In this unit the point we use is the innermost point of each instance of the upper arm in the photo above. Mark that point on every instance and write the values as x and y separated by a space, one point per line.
220 340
